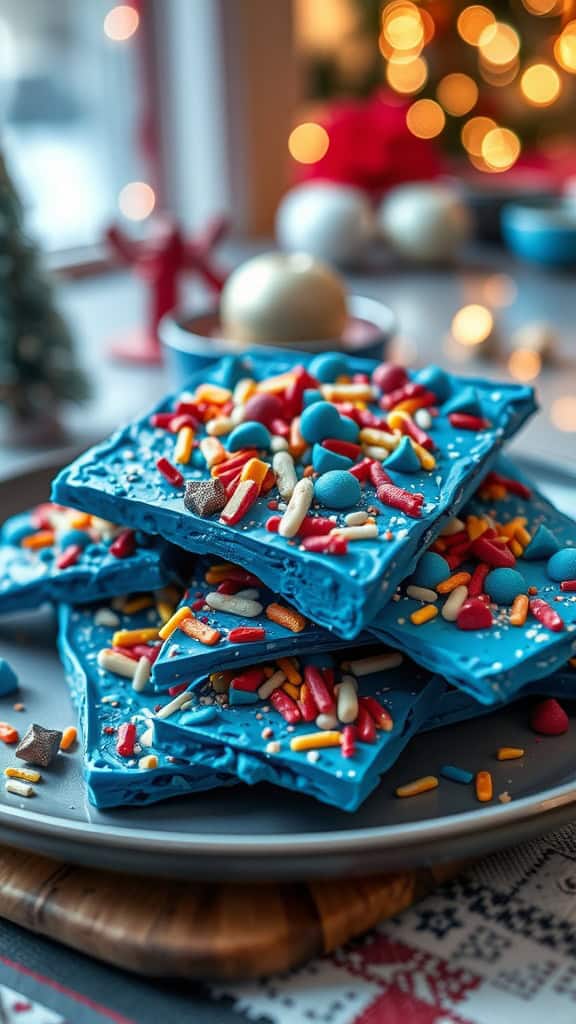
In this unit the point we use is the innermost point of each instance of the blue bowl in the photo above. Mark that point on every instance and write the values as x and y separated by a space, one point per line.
192 342
541 233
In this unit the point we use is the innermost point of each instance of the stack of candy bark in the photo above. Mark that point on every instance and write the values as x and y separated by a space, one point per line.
317 559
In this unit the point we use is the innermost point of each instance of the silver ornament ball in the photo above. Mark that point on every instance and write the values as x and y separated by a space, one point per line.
332 222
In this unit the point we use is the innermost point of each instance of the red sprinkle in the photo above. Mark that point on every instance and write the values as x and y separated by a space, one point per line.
347 448
474 614
69 556
126 652
248 681
497 556
549 718
404 501
348 744
238 504
173 691
476 584
196 409
307 705
162 420
285 706
463 421
280 427
126 739
411 429
326 545
169 472
547 615
183 420
123 545
246 634
145 651
568 585
318 688
382 717
366 729
362 470
108 730
513 486
408 390
311 526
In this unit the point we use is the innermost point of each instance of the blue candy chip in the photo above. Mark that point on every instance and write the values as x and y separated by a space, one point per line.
466 400
404 459
324 460
328 367
8 678
542 545
319 421
74 538
347 430
562 565
430 571
503 585
249 435
436 380
337 489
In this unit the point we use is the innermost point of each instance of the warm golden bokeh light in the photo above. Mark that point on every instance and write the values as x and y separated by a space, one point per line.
542 8
499 290
565 48
524 365
402 26
497 75
499 44
121 22
137 200
563 413
474 132
308 142
457 93
540 85
407 76
472 325
425 119
429 26
472 21
500 148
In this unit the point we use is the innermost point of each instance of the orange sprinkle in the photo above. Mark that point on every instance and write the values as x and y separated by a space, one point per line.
8 734
423 785
516 548
80 520
424 614
292 690
197 630
297 443
475 527
68 738
411 405
290 671
287 617
509 753
275 385
308 471
42 539
519 612
523 536
484 787
212 393
459 579
256 470
532 591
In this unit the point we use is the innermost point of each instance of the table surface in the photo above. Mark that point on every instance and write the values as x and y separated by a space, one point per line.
424 300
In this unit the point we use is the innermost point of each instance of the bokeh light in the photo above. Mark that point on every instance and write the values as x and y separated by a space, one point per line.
563 413
499 44
407 76
137 200
500 148
308 142
499 75
457 93
402 26
474 132
565 48
524 364
425 119
472 21
472 325
499 290
540 85
542 8
121 22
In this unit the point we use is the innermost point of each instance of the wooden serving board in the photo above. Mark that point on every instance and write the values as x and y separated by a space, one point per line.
199 929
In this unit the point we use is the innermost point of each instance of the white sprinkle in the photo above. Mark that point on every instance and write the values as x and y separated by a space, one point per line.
312 756
234 605
423 419
377 663
141 675
356 518
421 594
19 788
273 747
106 617
366 532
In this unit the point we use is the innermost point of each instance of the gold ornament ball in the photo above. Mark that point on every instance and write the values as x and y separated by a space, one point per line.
279 298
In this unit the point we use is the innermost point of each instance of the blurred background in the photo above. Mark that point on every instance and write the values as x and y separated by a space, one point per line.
424 151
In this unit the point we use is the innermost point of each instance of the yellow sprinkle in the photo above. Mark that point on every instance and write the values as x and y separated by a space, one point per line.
129 637
350 392
475 527
484 787
427 460
245 388
173 622
183 446
80 520
290 671
292 690
165 611
509 753
523 536
317 740
136 604
275 385
516 548
256 470
212 393
424 614
379 438
68 739
510 529
26 774
418 786
148 761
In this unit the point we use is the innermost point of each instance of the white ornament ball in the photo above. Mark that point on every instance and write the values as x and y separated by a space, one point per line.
424 222
330 221
282 298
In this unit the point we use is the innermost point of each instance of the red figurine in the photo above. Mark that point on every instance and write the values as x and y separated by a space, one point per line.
159 261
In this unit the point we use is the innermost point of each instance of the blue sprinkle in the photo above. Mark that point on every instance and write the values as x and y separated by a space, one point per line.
15 529
337 489
328 367
404 459
542 545
8 678
436 380
451 771
79 538
562 565
201 715
466 400
430 571
324 460
503 585
242 696
319 421
249 435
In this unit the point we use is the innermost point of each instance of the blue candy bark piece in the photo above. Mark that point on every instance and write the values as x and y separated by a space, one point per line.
403 459
8 678
494 663
324 460
31 578
467 401
234 742
542 545
342 593
435 380
105 701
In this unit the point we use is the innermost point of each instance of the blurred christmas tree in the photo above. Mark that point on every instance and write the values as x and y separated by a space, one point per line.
37 366
488 81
